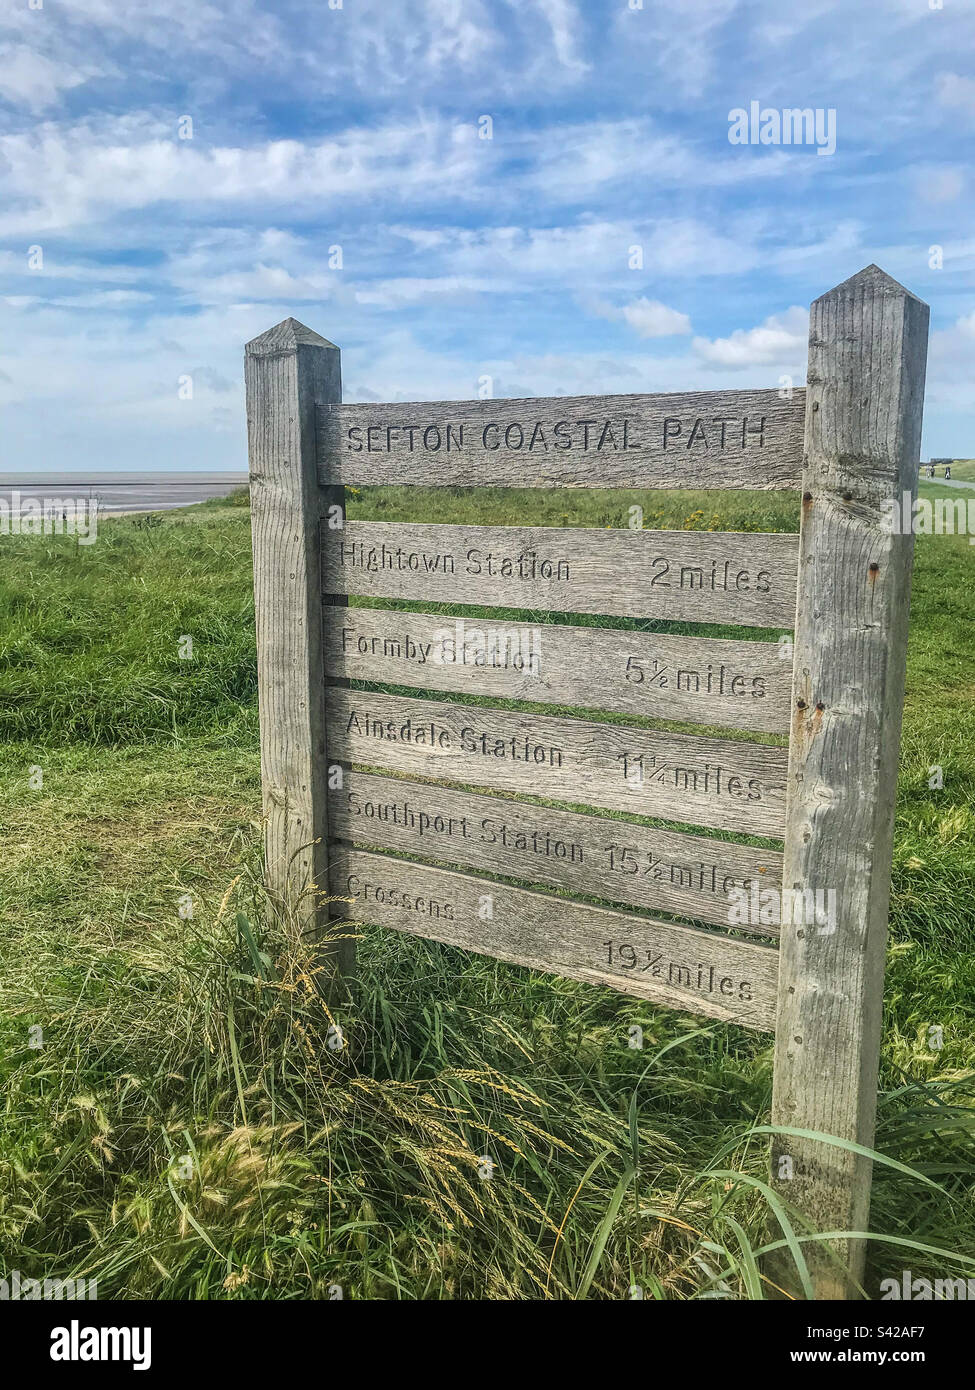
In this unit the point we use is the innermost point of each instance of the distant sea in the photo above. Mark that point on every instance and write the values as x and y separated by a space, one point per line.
123 492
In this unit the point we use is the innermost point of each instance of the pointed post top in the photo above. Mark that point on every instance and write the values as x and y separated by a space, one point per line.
286 336
864 389
877 281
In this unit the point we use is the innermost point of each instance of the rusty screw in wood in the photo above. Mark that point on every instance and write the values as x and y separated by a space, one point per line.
874 568
820 705
800 704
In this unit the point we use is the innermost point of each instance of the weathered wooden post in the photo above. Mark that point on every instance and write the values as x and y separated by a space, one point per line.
290 372
867 353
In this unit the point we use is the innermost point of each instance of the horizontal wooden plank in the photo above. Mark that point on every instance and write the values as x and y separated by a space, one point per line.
700 972
694 576
665 870
695 781
745 685
701 439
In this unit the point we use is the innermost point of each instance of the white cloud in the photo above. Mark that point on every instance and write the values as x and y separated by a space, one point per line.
428 49
951 365
593 250
412 289
648 318
63 177
570 163
563 21
315 126
779 341
651 319
955 91
679 42
29 79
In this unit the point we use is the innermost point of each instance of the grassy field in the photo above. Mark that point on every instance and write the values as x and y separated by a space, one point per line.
175 1123
963 469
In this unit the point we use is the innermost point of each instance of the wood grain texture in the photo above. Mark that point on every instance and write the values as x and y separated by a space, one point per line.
744 685
696 439
867 349
703 577
664 870
700 972
694 781
289 371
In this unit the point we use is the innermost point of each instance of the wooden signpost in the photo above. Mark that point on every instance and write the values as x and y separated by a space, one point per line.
349 771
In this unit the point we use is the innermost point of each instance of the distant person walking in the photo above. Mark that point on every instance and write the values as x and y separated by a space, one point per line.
948 470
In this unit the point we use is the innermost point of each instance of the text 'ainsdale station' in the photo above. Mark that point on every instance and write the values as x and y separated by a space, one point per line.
589 436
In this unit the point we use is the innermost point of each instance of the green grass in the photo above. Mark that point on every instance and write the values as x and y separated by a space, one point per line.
186 1131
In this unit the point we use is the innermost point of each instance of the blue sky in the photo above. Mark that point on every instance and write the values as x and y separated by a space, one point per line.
358 127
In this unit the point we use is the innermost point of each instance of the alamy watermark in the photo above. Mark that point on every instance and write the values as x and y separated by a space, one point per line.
516 649
49 516
926 1290
792 125
944 516
18 1288
78 1343
753 906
